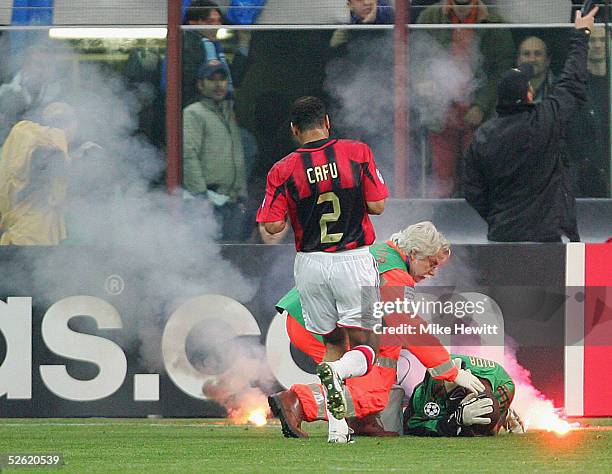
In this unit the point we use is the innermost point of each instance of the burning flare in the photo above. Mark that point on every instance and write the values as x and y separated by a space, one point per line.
537 412
543 416
250 413
244 405
258 417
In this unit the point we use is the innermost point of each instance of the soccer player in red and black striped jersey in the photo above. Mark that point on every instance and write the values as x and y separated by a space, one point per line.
328 187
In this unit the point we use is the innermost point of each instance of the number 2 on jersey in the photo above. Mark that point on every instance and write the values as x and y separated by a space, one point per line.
329 217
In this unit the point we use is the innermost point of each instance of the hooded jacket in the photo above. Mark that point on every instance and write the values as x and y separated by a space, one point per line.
33 185
516 173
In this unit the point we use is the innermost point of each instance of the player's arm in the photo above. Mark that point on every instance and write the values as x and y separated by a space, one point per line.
427 348
268 238
374 188
376 207
273 211
275 227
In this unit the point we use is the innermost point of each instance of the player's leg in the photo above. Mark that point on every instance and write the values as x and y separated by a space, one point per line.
355 287
334 390
353 363
353 275
306 403
336 344
318 304
313 402
312 278
367 398
360 359
303 402
510 420
362 337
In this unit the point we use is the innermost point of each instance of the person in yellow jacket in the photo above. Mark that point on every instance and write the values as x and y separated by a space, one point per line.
33 165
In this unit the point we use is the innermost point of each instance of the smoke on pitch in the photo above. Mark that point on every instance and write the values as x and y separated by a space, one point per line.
122 222
534 408
244 377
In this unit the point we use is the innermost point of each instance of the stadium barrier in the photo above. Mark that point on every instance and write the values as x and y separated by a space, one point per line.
83 340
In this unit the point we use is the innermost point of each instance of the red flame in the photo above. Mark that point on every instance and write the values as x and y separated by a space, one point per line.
248 406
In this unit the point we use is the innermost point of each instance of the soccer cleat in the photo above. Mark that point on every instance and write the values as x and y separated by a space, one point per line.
334 391
341 438
286 407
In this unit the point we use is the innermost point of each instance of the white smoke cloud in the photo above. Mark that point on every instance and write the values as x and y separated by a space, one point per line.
360 84
439 78
120 223
534 408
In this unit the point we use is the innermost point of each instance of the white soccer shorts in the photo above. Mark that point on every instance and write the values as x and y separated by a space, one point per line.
334 287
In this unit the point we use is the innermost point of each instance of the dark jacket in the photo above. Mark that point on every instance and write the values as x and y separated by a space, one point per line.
516 173
588 141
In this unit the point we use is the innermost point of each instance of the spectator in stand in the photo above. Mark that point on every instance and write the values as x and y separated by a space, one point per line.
534 51
201 46
33 87
213 157
516 174
33 178
588 137
376 12
364 12
449 138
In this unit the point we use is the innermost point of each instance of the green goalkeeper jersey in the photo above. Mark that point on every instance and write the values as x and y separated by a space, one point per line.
430 403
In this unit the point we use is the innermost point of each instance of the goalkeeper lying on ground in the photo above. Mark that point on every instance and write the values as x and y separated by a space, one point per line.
439 408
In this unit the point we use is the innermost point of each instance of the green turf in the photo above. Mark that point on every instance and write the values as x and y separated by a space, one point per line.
104 445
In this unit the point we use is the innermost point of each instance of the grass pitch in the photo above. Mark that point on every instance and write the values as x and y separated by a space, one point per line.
195 445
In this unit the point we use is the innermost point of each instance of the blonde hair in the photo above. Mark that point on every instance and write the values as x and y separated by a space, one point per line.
422 238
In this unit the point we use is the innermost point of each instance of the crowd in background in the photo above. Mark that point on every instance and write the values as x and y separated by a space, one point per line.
237 87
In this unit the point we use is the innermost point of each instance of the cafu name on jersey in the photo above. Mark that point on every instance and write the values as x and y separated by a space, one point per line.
317 174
